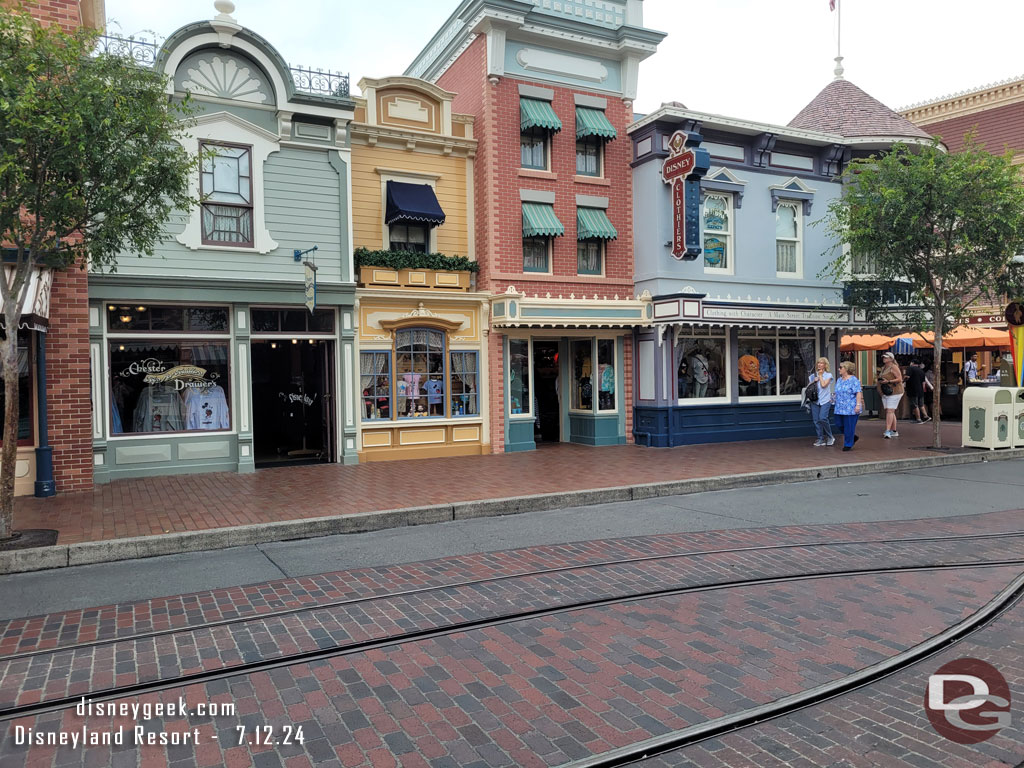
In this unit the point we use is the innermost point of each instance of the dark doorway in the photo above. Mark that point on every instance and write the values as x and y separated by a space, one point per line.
292 401
548 421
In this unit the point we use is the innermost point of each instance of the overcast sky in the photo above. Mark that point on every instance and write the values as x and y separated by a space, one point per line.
761 60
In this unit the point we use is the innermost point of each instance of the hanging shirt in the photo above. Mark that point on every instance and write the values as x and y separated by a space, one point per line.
749 369
434 389
207 409
158 410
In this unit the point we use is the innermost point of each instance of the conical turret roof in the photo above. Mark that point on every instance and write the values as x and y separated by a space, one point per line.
845 109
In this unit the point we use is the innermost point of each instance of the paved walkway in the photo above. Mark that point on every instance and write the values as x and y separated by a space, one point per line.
181 503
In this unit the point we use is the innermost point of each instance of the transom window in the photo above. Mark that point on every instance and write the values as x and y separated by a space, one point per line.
166 319
788 228
588 156
717 223
225 184
533 148
409 237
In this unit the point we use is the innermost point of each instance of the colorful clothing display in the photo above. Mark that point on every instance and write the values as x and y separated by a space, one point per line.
749 368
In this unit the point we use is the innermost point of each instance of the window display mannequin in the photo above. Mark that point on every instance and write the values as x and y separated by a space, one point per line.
698 365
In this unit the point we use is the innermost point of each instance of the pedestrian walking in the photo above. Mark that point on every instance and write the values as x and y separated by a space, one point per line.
849 403
890 388
971 369
820 401
916 384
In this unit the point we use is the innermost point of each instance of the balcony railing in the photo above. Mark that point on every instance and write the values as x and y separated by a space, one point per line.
307 80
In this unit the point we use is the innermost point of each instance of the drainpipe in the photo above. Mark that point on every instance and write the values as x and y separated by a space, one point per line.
45 485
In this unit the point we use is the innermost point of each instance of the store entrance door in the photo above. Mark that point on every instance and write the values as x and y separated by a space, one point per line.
293 401
548 421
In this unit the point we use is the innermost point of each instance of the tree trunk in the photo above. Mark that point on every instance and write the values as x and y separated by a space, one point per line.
9 450
937 391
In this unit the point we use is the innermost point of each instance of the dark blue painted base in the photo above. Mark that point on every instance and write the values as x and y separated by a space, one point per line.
674 425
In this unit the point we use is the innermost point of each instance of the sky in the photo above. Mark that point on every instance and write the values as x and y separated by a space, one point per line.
760 60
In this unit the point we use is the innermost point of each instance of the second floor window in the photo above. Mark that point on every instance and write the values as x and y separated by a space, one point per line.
588 256
533 148
717 223
862 264
535 254
787 238
588 156
225 184
409 237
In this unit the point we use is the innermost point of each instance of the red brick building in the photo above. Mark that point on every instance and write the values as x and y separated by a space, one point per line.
68 393
550 87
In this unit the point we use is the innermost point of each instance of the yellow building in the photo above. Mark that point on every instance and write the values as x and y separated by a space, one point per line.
421 326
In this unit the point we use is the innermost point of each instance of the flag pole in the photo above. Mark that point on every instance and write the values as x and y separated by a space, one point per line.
839 40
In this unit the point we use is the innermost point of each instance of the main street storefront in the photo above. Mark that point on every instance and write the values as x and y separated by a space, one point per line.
567 367
219 385
718 371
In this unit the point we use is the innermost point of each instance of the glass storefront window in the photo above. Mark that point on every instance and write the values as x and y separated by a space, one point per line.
606 375
166 319
700 368
582 374
465 392
292 321
419 373
375 383
774 364
519 376
169 386
25 416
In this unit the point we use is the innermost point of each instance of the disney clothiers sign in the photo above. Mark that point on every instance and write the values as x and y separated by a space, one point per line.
683 169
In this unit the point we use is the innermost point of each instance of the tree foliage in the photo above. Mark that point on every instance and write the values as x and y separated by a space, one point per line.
89 169
941 232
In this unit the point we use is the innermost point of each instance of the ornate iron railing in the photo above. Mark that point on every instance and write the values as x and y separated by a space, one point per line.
307 80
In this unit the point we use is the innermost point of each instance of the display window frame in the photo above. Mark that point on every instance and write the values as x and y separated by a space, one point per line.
777 335
119 337
30 439
595 409
446 395
386 354
525 413
718 334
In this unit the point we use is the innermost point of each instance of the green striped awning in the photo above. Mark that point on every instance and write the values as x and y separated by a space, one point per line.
593 222
539 220
592 122
534 113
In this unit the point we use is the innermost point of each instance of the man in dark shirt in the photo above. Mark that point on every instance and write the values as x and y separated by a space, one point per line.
915 391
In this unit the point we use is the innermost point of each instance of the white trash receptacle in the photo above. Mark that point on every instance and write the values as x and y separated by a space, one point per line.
987 413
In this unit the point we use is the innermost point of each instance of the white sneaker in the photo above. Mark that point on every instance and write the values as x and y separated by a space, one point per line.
819 444
887 434
894 434
830 441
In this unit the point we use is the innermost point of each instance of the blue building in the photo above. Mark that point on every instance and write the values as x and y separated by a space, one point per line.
740 319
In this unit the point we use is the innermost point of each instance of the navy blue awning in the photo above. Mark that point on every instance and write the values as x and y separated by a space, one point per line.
412 203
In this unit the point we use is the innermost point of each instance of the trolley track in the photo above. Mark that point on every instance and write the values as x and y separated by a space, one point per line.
344 602
1009 595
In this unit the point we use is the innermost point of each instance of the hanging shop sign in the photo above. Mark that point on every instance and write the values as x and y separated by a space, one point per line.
310 285
683 169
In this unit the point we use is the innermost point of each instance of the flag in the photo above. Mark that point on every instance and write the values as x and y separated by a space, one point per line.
831 5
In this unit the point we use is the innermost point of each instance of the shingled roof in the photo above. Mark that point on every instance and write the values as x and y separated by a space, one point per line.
843 108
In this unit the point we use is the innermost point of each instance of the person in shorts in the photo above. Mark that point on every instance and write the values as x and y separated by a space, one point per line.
915 386
892 376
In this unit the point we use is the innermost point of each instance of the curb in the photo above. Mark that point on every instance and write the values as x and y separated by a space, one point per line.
113 550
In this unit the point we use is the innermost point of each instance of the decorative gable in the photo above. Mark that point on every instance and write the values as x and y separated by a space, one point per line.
407 109
221 76
792 189
724 180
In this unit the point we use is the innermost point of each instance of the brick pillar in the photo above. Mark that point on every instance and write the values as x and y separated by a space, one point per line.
68 381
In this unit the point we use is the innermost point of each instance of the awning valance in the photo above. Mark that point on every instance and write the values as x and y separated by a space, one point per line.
593 222
35 305
539 220
412 203
593 122
534 113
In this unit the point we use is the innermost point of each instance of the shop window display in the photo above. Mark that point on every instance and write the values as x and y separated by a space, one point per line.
700 368
465 392
375 383
25 419
169 386
606 374
796 362
419 373
774 365
582 375
519 376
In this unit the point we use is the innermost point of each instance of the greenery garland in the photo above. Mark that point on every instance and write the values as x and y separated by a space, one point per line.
413 260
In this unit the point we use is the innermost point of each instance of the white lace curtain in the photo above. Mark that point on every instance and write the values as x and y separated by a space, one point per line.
371 365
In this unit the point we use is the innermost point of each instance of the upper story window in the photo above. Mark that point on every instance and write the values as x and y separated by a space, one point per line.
537 121
592 131
536 254
718 238
408 237
540 227
788 233
863 264
225 184
593 228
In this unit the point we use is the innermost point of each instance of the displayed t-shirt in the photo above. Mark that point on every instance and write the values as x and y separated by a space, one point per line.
766 366
749 368
207 409
159 410
607 377
699 368
434 389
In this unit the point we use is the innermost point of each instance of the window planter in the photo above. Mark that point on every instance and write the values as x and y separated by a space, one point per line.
381 277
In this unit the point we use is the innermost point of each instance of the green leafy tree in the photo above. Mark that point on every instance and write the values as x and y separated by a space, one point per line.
940 232
89 168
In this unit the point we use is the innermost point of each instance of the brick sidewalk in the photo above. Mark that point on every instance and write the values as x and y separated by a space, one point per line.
181 503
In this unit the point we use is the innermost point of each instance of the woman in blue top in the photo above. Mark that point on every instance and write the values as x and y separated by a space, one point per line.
821 407
849 400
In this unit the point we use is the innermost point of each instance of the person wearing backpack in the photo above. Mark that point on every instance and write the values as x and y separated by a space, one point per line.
819 398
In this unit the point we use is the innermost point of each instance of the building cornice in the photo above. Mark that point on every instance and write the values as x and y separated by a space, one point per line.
412 139
1000 94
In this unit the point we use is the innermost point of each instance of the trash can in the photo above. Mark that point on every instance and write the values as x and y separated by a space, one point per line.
986 417
1017 422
